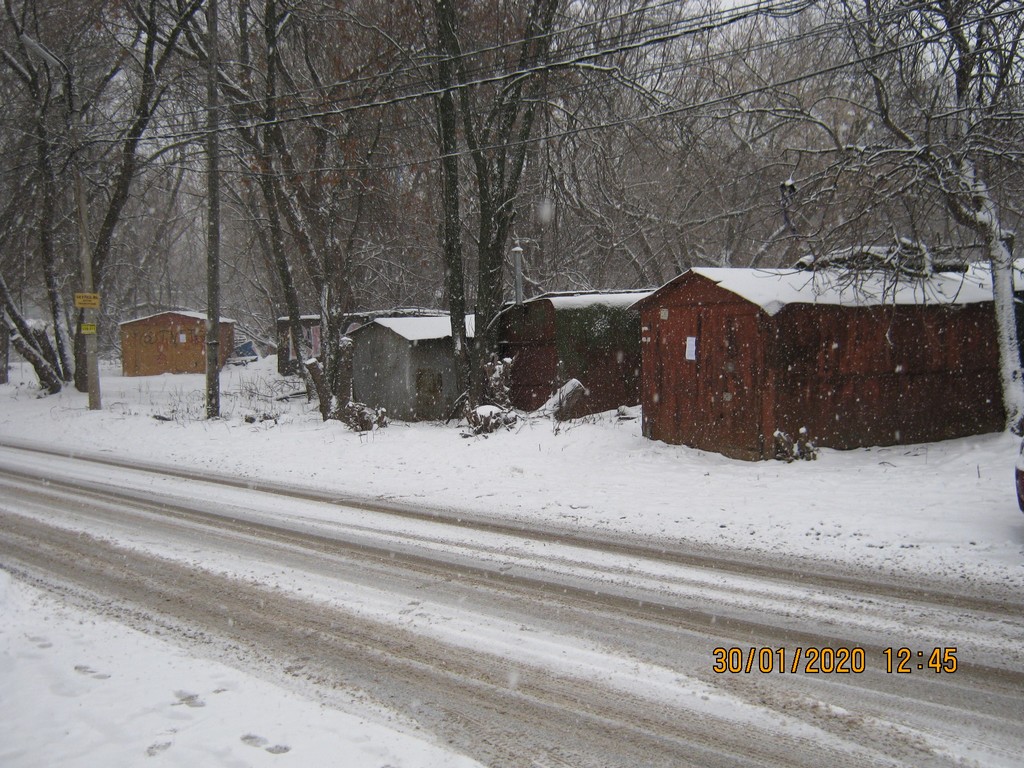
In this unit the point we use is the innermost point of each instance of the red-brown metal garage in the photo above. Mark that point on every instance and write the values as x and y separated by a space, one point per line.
729 356
592 336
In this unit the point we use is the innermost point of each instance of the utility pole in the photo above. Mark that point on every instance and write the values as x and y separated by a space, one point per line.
213 218
89 300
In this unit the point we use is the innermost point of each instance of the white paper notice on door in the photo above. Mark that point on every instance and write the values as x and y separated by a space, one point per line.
691 347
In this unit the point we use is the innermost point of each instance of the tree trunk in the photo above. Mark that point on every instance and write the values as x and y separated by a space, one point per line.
496 128
1000 250
451 236
49 256
977 61
26 343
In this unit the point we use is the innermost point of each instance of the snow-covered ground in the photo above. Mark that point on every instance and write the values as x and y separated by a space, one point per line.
81 691
97 693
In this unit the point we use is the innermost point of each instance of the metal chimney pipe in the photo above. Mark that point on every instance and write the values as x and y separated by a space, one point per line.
517 260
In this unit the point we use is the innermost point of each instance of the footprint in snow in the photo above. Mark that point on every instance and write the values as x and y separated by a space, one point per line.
85 669
155 749
189 699
258 741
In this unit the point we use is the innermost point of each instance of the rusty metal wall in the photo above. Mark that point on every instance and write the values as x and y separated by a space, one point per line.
527 335
597 344
886 375
721 375
703 370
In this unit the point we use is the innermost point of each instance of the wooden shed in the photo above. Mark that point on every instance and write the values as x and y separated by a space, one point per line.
170 342
590 336
406 365
732 355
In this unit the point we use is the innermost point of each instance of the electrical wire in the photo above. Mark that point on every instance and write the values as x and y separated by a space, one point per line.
667 33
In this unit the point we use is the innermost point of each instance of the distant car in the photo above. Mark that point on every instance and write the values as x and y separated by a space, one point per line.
1019 472
244 354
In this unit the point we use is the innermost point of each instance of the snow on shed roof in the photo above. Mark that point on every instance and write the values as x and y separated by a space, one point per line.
983 272
182 312
773 289
422 328
374 313
583 299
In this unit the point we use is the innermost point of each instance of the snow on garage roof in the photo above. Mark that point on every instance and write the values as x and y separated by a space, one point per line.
422 328
583 299
183 312
773 289
982 271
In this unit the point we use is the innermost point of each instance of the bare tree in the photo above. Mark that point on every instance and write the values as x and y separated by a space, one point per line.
297 94
946 81
99 66
492 98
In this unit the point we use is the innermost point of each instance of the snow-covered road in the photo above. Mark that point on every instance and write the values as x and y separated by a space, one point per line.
529 647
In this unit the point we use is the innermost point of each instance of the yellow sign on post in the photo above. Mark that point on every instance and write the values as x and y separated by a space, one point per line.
88 329
87 301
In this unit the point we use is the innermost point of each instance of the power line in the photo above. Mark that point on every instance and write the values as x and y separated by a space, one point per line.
612 45
678 29
692 107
